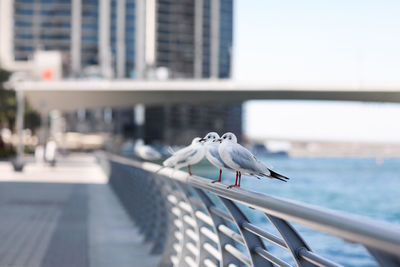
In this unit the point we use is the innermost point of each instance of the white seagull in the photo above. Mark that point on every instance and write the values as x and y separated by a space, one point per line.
211 146
187 156
146 152
243 161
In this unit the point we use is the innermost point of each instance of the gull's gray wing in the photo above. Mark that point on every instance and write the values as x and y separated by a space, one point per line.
244 158
184 152
214 152
188 156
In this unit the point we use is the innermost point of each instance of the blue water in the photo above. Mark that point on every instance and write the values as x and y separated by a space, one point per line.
357 186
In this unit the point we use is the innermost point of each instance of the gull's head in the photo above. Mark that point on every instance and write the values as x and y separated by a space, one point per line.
228 137
210 137
139 142
196 140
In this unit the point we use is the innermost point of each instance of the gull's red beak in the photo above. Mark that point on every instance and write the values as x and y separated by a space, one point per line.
219 140
202 139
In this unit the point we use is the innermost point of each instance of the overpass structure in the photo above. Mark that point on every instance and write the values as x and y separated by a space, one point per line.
73 94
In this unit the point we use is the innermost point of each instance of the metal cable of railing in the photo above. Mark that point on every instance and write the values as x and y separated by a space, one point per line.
193 222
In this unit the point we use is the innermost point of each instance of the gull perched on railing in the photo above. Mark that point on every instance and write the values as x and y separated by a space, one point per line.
243 161
187 156
146 152
211 147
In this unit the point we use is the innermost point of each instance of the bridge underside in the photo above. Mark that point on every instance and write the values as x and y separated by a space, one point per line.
70 95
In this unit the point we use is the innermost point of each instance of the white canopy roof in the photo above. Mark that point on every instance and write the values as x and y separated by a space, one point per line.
74 94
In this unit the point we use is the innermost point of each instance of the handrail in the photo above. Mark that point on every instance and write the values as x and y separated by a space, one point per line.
380 239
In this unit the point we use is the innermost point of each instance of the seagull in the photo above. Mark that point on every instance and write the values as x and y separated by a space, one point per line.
211 146
146 152
187 156
243 161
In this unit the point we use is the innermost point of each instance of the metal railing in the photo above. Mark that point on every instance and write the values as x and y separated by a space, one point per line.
193 222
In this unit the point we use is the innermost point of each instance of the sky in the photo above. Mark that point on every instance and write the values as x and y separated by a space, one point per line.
319 42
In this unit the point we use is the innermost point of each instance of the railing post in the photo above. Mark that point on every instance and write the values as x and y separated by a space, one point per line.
225 257
384 259
252 241
292 239
161 220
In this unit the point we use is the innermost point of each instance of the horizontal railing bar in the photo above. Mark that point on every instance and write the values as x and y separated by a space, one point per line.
237 254
271 258
209 263
190 261
211 250
178 223
230 233
172 199
210 234
220 213
176 211
364 231
185 206
192 248
190 233
204 217
316 259
264 234
177 247
190 221
174 259
178 235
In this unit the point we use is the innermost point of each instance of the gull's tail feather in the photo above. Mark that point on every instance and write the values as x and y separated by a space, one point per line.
276 175
169 162
171 150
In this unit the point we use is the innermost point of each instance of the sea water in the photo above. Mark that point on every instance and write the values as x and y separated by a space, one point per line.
357 186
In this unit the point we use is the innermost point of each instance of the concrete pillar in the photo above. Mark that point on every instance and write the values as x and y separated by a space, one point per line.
140 39
6 33
121 59
151 33
18 163
20 122
76 36
140 116
104 39
214 61
198 39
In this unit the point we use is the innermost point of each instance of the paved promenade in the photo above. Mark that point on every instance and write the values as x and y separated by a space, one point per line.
65 216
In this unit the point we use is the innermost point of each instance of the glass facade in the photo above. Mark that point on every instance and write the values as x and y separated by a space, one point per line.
41 24
46 25
175 37
225 37
90 35
206 38
130 32
130 21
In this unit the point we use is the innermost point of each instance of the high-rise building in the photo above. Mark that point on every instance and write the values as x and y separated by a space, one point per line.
139 39
122 38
